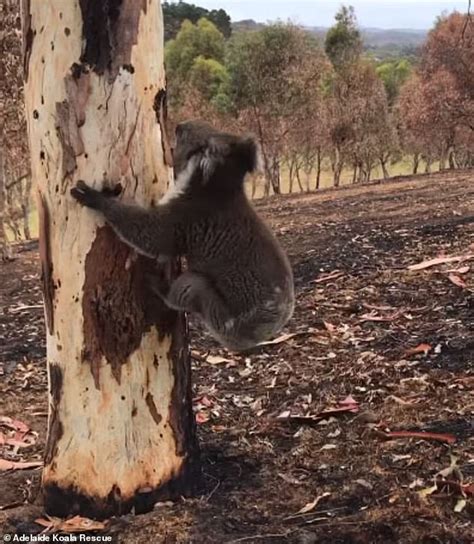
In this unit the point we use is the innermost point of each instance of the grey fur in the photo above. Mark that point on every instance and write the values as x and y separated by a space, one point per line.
239 280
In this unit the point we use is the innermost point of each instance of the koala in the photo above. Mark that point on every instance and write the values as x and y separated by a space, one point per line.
238 279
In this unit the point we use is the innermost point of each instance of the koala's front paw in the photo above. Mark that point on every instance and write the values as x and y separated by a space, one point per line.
92 198
87 196
114 191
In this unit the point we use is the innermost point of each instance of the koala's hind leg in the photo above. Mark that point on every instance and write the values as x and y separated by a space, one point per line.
191 292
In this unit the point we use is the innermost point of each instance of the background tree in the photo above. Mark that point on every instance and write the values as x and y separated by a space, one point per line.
121 428
16 184
436 104
343 42
394 74
195 58
175 13
273 75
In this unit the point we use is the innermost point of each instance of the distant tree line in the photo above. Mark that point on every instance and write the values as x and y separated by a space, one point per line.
313 104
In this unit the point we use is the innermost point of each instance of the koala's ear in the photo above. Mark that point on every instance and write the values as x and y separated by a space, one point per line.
250 154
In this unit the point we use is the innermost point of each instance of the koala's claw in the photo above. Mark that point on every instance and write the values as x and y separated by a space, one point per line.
87 196
116 190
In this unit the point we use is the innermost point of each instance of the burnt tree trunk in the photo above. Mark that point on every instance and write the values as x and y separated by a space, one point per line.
383 164
5 250
290 175
416 162
121 429
318 168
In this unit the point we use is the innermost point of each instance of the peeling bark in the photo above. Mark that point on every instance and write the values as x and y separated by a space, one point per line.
121 428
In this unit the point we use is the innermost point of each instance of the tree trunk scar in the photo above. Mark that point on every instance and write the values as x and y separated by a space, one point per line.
109 32
71 116
118 308
55 427
68 134
46 261
150 402
161 111
28 36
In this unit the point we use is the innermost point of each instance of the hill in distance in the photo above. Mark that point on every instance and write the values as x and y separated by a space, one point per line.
373 37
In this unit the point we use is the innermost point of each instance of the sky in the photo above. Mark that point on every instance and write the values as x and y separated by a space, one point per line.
416 14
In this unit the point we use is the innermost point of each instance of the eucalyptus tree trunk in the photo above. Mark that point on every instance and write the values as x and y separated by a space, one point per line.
5 251
121 429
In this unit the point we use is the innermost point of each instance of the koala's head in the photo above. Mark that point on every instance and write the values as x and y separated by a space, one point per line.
216 162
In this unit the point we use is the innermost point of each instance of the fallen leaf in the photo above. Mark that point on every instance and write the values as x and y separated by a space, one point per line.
448 438
9 441
403 402
468 489
348 405
380 318
202 417
416 483
77 524
197 356
460 505
329 327
327 277
217 360
457 280
14 424
421 348
378 308
280 339
19 465
245 373
328 447
312 505
364 483
461 270
400 457
449 470
349 401
290 479
423 493
441 260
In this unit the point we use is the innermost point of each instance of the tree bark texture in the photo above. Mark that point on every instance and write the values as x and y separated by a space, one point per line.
121 429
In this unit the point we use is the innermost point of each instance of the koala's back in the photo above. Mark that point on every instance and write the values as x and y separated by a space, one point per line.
237 252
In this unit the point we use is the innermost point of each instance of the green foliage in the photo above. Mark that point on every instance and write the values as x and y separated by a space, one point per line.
266 68
343 42
210 78
394 74
175 13
195 57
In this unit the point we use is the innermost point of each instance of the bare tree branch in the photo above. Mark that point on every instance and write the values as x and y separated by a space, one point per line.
468 19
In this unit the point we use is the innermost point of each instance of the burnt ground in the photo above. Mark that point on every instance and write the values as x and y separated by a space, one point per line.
358 312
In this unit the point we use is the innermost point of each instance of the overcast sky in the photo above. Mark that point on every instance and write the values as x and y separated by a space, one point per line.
370 13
